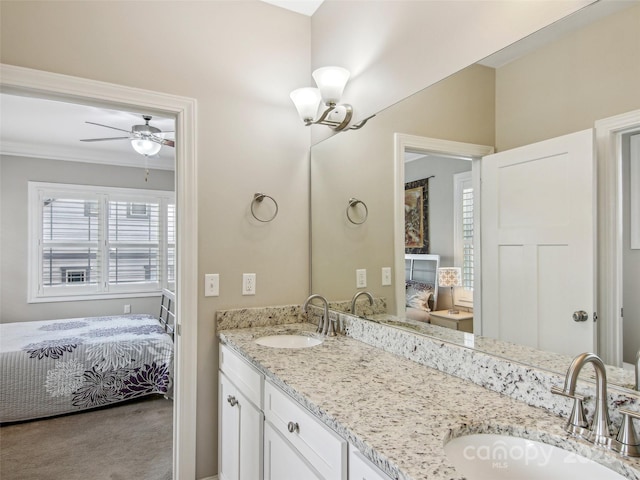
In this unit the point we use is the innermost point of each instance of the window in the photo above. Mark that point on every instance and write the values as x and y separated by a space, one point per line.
463 235
96 242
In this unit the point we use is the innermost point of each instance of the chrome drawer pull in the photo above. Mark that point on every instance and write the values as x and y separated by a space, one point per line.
232 401
293 427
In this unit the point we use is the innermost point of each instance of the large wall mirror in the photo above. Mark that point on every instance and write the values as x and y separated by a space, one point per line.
520 96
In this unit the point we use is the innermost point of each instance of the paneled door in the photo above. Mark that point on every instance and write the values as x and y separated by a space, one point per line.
538 244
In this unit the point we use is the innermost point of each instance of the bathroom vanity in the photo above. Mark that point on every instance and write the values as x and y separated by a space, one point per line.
347 406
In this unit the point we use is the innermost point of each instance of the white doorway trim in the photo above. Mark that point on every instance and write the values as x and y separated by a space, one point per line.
609 133
50 85
450 148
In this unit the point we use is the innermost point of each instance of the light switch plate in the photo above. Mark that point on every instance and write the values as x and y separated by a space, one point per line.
386 276
212 285
361 278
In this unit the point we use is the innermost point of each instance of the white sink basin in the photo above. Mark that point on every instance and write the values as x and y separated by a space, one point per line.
501 457
288 341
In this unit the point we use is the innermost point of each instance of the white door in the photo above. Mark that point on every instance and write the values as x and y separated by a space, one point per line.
538 244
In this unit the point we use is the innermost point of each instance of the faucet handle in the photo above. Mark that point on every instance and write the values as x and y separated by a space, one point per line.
561 391
577 422
627 442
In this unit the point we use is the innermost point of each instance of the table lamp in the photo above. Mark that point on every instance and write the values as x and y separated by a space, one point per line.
450 277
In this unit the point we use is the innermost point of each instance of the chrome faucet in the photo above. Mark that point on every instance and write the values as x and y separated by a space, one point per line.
355 297
325 326
600 430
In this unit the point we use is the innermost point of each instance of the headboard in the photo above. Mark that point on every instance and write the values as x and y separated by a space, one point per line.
423 267
167 315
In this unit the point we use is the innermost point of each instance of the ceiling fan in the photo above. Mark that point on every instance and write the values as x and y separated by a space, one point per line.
145 139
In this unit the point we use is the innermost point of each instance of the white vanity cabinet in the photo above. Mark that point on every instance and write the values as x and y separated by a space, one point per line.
241 419
360 468
298 445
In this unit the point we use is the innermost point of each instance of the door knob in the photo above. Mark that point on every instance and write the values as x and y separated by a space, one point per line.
580 316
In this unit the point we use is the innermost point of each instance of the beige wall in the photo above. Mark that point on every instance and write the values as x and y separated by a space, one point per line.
239 60
395 48
589 75
16 173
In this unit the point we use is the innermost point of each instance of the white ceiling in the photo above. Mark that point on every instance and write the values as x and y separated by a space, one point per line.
50 129
306 7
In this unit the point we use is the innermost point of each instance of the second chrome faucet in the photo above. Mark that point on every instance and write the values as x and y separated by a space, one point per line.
600 431
325 325
355 298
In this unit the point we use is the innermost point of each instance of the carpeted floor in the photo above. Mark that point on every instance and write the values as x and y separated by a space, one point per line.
125 442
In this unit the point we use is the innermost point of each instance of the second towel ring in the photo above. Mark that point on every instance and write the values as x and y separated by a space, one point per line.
257 198
352 203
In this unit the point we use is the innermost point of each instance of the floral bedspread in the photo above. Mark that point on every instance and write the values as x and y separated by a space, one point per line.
59 366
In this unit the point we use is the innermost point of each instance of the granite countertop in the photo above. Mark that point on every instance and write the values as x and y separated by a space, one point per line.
399 413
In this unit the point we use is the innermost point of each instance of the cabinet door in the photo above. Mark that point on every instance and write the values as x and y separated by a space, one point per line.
282 461
362 469
240 438
324 449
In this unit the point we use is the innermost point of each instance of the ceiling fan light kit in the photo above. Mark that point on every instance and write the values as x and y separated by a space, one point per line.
145 139
145 147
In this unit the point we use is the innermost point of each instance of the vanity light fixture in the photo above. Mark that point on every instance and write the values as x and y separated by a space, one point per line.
450 277
331 82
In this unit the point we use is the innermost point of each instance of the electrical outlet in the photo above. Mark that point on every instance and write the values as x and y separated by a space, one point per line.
361 278
248 284
386 276
127 309
212 285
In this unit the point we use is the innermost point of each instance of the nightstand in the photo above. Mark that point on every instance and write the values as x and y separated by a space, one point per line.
462 321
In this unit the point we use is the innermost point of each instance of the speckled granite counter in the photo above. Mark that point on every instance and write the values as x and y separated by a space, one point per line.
396 412
550 361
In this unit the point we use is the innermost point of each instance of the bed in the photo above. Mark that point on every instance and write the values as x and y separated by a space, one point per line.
52 367
421 285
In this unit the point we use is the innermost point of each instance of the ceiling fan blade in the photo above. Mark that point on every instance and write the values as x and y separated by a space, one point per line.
162 141
103 139
107 126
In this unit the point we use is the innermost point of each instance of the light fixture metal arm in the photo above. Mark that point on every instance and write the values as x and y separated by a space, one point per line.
344 112
358 126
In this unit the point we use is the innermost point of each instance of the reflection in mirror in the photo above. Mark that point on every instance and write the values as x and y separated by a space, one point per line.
562 87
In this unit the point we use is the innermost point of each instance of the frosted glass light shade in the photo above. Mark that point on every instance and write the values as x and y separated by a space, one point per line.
145 147
449 277
306 101
331 82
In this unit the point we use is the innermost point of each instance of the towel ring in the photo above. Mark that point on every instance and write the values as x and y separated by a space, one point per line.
258 197
352 203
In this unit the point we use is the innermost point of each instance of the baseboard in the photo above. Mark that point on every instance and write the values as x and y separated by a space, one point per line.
210 478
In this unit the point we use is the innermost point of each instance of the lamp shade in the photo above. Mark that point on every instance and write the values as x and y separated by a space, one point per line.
331 82
306 101
449 277
145 147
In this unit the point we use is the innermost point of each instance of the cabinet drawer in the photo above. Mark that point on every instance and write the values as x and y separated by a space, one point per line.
360 468
244 376
316 442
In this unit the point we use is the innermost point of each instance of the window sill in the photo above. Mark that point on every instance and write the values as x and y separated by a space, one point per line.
104 296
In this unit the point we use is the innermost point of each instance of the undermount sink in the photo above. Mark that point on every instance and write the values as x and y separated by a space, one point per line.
502 457
288 341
